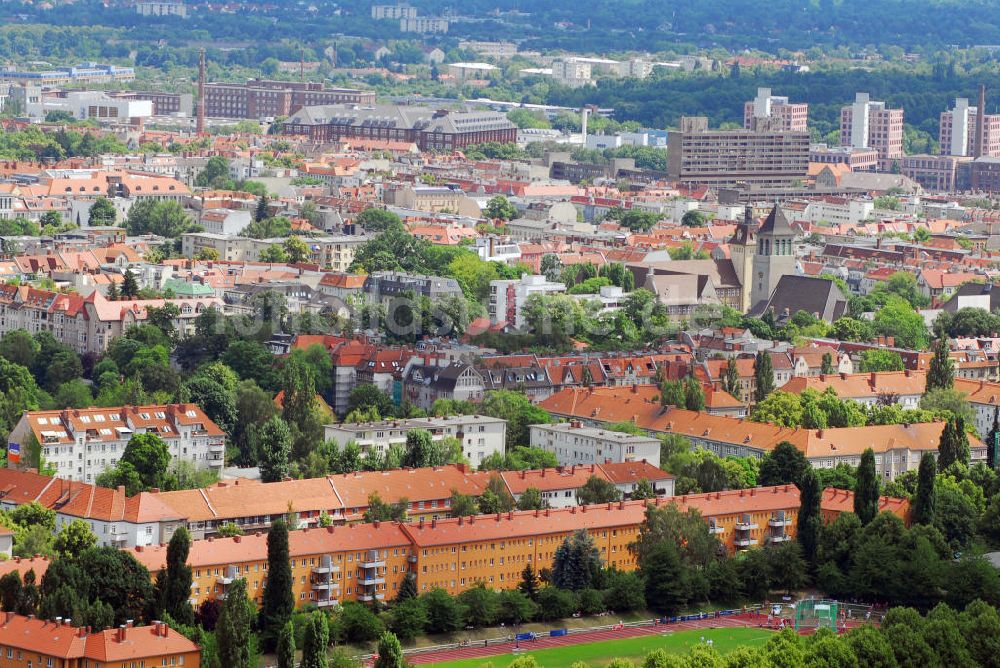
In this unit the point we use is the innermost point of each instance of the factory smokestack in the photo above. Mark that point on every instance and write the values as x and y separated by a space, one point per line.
201 93
981 122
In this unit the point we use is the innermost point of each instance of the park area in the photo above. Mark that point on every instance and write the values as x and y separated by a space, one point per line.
565 651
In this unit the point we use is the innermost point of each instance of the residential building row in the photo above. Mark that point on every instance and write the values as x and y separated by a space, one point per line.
367 562
81 443
898 447
150 518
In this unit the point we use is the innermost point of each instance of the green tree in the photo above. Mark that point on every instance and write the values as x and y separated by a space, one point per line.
923 501
941 372
278 600
261 212
529 580
176 594
694 218
871 648
377 220
462 505
314 644
517 409
130 287
480 605
880 360
809 519
826 365
215 173
102 213
643 490
866 489
731 379
763 372
444 614
234 629
576 563
286 646
74 539
274 443
783 465
499 208
898 320
954 444
390 652
164 218
694 395
296 250
531 499
597 490
666 579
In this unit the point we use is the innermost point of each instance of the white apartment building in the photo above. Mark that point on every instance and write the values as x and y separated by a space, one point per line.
424 25
83 443
490 49
392 12
480 435
572 443
508 297
838 210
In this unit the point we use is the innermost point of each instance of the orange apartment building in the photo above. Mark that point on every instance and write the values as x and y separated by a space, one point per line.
27 642
356 562
365 562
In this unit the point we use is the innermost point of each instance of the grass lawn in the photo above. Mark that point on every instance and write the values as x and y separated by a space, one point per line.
600 653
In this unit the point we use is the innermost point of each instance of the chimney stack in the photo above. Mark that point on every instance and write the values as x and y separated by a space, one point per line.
200 127
980 122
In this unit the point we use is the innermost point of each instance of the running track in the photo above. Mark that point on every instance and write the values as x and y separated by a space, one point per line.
502 647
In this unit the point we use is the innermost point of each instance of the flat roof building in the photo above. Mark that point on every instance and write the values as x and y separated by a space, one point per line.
730 158
573 443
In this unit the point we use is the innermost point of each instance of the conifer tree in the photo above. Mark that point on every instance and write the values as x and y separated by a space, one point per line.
177 583
278 602
866 488
763 372
286 646
923 501
234 630
809 520
941 372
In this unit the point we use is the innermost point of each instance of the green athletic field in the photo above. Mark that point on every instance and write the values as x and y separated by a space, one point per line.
600 653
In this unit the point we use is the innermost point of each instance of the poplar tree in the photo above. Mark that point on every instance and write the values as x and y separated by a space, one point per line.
808 522
286 646
317 637
941 372
763 372
278 601
923 501
177 583
234 632
866 491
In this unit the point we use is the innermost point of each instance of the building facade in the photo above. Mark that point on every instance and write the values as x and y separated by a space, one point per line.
429 129
508 297
480 435
870 124
791 117
958 131
82 443
264 98
572 443
729 158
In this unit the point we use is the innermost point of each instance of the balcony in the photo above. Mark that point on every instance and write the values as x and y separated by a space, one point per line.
370 597
369 581
217 447
326 602
780 538
745 542
325 586
372 560
325 568
225 580
715 530
745 526
412 558
779 522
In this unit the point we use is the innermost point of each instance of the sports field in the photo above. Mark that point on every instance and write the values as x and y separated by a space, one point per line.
600 653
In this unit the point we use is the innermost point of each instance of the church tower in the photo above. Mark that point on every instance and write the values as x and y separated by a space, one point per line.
742 248
775 256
